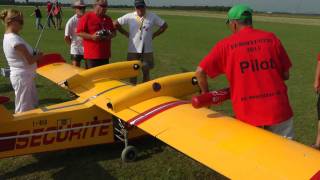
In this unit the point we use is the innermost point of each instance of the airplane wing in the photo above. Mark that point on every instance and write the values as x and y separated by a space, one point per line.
232 148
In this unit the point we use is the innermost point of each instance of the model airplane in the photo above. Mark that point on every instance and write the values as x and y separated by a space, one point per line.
108 109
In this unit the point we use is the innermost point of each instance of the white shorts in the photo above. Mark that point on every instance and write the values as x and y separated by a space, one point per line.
284 129
26 96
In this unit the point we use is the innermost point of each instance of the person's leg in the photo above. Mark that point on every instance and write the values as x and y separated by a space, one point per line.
56 22
147 65
52 21
284 129
86 64
41 26
92 63
60 21
37 23
130 57
48 23
146 74
104 62
76 60
24 91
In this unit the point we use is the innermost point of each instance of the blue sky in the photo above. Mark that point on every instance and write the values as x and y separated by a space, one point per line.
299 6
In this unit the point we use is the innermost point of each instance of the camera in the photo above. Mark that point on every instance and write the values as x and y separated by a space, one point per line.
103 33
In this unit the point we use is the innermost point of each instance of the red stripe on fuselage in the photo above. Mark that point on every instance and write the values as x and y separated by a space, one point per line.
8 144
136 121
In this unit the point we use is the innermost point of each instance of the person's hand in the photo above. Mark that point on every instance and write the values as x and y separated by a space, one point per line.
94 37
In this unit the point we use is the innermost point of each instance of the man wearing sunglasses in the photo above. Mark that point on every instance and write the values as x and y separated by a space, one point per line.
71 38
140 35
256 66
96 29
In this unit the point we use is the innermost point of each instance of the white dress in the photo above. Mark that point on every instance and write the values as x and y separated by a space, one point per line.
22 74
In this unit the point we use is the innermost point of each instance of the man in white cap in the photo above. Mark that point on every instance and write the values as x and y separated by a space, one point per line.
71 37
140 35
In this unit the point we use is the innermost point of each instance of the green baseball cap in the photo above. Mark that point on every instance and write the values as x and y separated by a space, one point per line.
239 12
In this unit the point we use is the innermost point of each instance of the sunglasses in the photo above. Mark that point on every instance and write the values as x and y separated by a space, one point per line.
103 5
81 8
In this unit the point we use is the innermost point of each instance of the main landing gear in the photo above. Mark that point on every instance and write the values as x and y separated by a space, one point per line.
129 153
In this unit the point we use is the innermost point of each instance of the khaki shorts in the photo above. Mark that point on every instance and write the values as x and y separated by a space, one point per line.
284 129
146 59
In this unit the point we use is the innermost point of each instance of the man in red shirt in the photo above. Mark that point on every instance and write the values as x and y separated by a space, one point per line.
50 14
96 29
256 66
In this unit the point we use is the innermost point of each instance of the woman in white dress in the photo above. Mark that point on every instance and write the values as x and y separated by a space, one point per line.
22 61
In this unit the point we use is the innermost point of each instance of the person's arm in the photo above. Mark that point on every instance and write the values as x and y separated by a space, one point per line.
26 55
161 30
88 36
284 59
118 26
202 80
113 34
317 79
68 32
210 66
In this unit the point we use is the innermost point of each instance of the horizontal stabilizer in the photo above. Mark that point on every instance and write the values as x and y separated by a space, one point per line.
50 59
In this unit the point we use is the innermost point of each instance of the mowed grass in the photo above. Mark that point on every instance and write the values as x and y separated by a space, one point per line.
181 48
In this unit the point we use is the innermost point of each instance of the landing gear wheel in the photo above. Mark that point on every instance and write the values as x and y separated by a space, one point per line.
129 154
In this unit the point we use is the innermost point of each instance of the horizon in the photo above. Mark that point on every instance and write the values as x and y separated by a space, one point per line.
287 6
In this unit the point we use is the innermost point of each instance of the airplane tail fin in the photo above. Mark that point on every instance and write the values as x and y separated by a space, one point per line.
4 113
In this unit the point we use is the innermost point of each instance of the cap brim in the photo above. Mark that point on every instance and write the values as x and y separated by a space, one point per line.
78 6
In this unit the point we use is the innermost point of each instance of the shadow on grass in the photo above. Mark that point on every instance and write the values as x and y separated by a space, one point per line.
83 163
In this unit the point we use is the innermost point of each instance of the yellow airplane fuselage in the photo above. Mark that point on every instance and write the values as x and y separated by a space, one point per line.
58 127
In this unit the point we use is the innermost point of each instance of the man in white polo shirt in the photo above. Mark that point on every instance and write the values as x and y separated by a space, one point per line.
140 36
71 37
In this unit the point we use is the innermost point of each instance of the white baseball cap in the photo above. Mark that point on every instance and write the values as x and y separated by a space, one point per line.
78 3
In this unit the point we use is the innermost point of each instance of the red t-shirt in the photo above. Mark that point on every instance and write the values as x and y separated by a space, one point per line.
254 62
49 7
319 57
91 23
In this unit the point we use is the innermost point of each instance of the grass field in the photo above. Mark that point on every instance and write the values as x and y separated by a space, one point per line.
181 48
